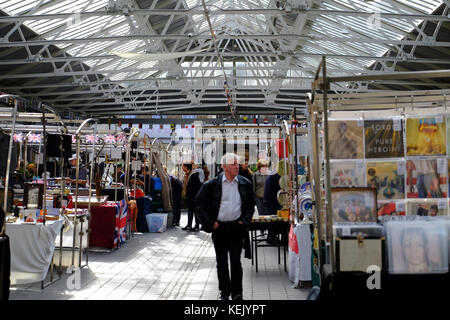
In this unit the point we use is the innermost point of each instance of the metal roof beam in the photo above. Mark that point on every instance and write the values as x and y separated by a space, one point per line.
190 12
225 36
238 54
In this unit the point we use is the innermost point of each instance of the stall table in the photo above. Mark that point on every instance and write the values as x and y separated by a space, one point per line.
32 248
279 227
107 225
83 201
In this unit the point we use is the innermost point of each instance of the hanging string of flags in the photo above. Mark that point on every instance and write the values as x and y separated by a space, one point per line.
109 138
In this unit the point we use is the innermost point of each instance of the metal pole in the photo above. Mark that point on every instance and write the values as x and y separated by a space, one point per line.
25 158
77 172
115 191
145 163
89 201
8 164
327 166
296 160
44 137
317 184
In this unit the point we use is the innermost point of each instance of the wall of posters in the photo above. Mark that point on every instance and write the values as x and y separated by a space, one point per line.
426 178
425 136
385 177
383 138
347 174
345 139
429 208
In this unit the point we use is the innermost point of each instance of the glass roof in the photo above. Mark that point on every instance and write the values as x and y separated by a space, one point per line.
331 27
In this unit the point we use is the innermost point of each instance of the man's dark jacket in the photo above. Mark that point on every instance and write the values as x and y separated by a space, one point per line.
193 187
209 197
207 205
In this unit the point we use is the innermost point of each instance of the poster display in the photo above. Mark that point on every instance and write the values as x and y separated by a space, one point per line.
425 136
427 178
391 209
415 247
345 139
347 174
386 178
429 208
383 138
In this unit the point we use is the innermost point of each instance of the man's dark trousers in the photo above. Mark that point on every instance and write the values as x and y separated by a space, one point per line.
228 239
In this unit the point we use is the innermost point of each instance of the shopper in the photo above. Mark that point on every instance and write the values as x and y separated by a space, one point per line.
271 187
259 181
118 174
206 172
225 206
32 171
193 185
245 172
82 172
177 189
24 172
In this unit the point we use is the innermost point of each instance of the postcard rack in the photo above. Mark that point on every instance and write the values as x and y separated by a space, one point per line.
359 107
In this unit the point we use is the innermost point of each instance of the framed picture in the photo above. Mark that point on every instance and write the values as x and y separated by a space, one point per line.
354 204
33 195
425 136
415 247
383 138
345 140
426 178
347 174
385 177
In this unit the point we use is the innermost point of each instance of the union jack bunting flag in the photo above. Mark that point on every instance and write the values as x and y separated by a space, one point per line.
120 138
120 235
110 138
34 138
90 138
18 137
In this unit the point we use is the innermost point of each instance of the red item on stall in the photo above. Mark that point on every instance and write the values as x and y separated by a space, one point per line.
279 148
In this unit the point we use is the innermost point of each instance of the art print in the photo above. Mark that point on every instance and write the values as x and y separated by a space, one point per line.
425 136
417 248
347 174
345 140
426 178
385 177
383 138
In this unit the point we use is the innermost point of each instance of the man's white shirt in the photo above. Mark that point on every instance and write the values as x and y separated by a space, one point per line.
230 206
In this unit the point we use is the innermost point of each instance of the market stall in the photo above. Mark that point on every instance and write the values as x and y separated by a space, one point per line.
368 165
32 250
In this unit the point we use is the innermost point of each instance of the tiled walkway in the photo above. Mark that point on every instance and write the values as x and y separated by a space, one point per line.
174 265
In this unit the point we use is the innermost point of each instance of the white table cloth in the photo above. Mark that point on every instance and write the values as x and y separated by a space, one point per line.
32 247
300 264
